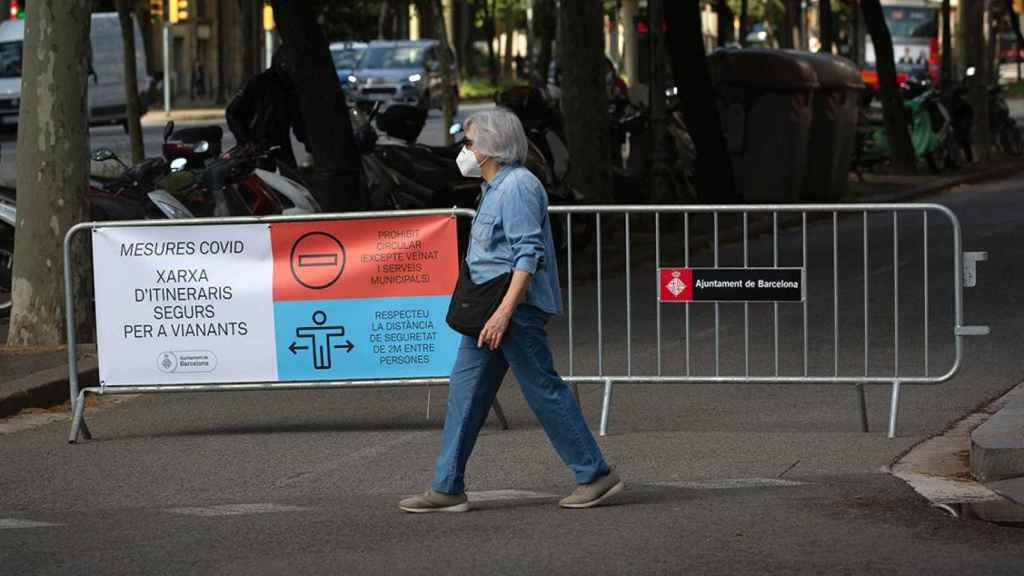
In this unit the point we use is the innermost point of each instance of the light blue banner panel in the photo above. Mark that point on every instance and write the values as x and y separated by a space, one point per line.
356 339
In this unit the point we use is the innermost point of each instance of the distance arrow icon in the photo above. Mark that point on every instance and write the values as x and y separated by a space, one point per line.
348 345
295 346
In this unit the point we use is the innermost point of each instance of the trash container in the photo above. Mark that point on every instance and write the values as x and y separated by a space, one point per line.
765 97
834 127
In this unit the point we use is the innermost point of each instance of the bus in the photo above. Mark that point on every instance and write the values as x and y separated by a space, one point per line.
914 26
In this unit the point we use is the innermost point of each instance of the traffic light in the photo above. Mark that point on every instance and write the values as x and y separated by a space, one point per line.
178 11
1018 6
156 9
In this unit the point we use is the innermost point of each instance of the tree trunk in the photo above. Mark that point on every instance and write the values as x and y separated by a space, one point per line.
725 16
947 45
222 45
790 36
447 81
490 7
744 16
510 24
250 43
584 101
690 67
465 40
52 170
972 26
826 23
545 23
336 182
131 82
896 122
382 19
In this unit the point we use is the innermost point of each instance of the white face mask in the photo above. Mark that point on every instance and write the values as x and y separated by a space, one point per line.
468 166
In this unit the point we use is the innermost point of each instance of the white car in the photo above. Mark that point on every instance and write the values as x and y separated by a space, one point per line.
107 100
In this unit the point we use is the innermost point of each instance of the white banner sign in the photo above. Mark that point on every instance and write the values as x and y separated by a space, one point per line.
184 304
295 301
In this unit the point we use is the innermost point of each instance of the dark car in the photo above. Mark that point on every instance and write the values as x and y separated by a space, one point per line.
346 56
404 72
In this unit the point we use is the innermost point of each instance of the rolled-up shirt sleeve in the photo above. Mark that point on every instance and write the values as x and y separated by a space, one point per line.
523 213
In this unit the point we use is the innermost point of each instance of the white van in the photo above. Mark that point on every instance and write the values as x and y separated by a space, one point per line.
107 100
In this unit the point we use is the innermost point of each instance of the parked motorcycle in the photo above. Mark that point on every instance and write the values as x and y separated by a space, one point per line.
7 227
1005 132
235 185
931 131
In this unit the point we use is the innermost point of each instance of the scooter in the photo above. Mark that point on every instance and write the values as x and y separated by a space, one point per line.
7 227
931 130
1003 127
130 196
234 185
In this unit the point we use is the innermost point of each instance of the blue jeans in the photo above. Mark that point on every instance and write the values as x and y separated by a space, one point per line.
474 383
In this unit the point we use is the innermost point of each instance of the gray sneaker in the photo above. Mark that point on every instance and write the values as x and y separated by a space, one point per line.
431 501
587 495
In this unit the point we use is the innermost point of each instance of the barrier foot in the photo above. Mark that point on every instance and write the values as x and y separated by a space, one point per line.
606 406
894 407
863 408
500 414
78 418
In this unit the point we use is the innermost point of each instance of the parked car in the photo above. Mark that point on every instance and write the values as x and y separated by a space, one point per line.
346 56
107 100
402 72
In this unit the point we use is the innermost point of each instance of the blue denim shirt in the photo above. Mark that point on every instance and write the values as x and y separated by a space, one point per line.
512 231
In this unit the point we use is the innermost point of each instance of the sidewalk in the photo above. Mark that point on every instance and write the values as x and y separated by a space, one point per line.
38 377
157 116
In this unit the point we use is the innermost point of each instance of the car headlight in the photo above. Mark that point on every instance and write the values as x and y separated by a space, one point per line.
352 79
415 78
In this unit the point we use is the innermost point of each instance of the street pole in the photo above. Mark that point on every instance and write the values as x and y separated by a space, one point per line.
167 67
659 116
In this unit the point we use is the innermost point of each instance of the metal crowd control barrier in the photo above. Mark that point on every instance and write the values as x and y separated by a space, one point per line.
858 231
858 220
77 396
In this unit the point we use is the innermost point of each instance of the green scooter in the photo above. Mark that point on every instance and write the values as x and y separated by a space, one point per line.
931 131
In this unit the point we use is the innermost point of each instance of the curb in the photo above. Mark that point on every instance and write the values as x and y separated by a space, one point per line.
46 388
994 173
997 446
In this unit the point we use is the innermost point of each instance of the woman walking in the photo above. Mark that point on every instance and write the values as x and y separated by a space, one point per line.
511 232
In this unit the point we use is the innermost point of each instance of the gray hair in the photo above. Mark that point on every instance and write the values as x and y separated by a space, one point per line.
498 134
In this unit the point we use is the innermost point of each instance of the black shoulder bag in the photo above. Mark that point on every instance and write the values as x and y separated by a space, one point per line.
472 304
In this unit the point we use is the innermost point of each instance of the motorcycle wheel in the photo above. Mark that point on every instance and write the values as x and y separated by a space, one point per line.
6 269
1011 140
955 158
937 160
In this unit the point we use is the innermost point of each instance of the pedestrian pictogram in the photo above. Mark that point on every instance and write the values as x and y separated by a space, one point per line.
322 339
317 260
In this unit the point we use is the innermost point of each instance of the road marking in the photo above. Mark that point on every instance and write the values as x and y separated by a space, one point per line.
500 495
731 484
19 524
236 509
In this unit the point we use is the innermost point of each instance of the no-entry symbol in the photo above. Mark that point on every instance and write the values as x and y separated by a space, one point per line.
317 260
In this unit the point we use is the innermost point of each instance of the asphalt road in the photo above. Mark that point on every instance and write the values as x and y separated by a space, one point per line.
722 479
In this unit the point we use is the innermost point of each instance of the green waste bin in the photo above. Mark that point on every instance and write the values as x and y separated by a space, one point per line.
765 99
834 126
